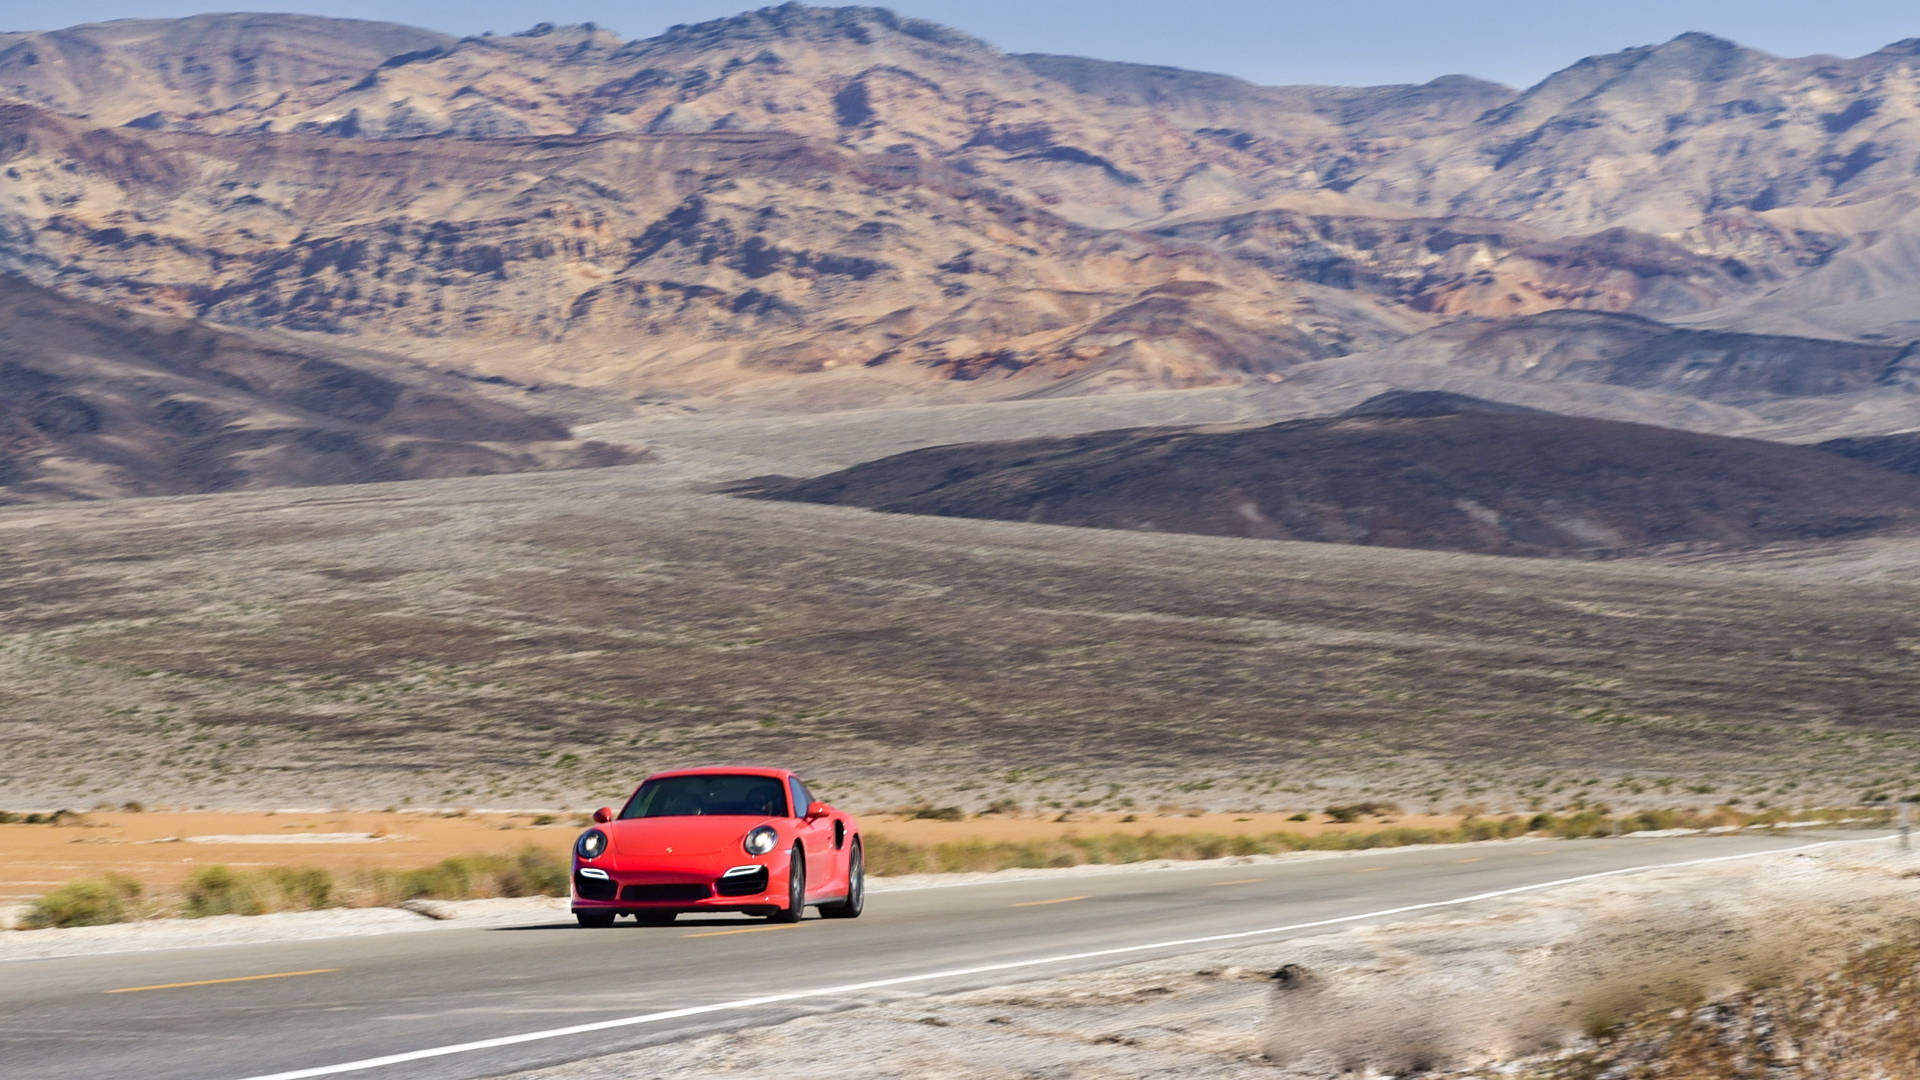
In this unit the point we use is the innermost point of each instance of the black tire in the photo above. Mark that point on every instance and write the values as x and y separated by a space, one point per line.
796 893
598 920
856 900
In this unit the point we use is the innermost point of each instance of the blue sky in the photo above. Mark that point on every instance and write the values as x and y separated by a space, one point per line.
1269 41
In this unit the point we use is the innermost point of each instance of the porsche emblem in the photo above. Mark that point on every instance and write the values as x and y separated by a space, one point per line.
669 851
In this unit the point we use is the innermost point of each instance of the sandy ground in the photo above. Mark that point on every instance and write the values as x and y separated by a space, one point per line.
160 849
1464 990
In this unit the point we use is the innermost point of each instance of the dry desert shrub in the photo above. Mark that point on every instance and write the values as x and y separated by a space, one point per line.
888 856
218 890
533 872
88 902
222 890
1860 1021
1603 966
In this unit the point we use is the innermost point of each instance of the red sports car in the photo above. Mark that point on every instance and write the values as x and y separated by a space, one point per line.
749 840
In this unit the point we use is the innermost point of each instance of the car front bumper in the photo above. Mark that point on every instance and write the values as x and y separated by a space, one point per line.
667 884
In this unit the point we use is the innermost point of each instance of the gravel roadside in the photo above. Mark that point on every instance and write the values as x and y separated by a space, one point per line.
1472 989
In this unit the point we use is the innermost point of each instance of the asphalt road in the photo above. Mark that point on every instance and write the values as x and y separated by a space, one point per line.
206 1014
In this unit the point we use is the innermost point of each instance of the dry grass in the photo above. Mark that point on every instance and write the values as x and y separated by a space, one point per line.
886 855
222 890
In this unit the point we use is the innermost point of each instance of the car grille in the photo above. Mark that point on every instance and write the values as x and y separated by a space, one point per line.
665 892
587 888
743 884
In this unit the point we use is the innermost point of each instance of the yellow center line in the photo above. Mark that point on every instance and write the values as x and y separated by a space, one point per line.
1371 870
1476 858
745 930
217 982
1237 881
1060 900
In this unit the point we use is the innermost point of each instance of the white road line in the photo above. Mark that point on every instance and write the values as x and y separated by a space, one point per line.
984 969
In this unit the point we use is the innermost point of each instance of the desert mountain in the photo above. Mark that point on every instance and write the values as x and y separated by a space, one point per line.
100 402
1404 470
742 257
149 72
878 206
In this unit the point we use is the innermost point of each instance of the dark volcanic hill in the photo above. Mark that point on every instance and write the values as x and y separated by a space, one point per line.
1407 471
1405 403
1899 452
100 402
1626 350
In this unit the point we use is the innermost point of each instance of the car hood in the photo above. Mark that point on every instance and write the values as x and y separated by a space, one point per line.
680 835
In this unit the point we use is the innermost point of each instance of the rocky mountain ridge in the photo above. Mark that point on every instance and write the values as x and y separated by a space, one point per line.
874 207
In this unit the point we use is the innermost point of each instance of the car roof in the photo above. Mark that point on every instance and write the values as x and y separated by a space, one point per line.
724 770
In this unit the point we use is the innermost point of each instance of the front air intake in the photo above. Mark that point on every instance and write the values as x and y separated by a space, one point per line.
587 888
750 884
664 893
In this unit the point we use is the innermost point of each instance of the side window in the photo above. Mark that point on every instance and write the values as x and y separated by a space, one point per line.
801 800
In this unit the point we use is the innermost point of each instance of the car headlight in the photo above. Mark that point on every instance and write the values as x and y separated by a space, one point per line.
761 840
591 845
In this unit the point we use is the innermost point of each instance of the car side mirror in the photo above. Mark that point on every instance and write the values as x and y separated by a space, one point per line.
603 815
816 810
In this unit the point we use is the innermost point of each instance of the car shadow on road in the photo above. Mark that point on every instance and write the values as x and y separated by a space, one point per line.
629 924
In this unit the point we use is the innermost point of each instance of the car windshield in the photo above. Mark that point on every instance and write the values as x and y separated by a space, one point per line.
691 796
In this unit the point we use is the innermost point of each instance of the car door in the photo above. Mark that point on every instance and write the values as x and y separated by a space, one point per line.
816 839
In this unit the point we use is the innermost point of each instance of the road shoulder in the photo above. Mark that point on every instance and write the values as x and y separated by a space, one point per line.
1466 987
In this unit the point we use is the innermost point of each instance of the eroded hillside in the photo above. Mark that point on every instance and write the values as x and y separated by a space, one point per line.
762 200
97 402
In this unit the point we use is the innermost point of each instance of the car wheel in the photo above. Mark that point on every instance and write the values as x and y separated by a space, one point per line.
796 893
595 919
856 900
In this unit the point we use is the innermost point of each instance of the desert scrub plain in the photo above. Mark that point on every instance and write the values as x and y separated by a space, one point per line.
541 641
